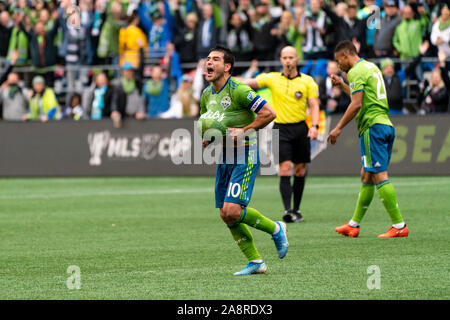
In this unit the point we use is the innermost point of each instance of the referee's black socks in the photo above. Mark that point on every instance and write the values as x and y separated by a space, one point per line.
286 191
299 185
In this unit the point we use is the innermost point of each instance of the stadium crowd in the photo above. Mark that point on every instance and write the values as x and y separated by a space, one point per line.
93 59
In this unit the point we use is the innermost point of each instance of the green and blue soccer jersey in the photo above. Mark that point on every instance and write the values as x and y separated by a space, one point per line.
365 76
234 106
376 131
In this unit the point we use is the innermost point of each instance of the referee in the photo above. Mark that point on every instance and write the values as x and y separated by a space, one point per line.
292 93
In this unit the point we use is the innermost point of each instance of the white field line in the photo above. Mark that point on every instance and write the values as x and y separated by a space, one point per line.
340 188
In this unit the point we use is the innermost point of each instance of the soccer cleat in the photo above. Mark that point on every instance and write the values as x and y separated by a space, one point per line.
395 233
297 216
347 230
280 239
289 216
252 268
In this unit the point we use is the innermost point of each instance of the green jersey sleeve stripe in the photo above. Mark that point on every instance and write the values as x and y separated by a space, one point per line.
357 91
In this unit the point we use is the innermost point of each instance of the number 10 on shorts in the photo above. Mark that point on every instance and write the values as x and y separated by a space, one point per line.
234 189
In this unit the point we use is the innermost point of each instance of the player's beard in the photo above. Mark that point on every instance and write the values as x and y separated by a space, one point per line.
218 74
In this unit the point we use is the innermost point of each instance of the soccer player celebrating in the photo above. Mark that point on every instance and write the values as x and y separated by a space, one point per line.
292 93
234 105
369 107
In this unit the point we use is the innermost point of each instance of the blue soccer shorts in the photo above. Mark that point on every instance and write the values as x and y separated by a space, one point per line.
376 147
235 181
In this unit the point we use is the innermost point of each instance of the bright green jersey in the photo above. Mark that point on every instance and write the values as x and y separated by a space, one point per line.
234 106
365 76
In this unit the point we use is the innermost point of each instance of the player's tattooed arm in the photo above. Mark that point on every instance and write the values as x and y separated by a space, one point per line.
349 114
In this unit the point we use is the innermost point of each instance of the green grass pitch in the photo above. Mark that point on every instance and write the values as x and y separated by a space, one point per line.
162 238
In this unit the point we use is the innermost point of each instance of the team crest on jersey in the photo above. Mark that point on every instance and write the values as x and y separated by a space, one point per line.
298 95
352 85
225 102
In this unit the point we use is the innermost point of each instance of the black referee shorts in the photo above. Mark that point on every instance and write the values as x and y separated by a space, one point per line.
294 144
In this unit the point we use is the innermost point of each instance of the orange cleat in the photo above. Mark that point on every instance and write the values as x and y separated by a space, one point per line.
347 230
395 233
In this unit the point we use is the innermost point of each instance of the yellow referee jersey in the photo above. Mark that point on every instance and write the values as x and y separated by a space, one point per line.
289 96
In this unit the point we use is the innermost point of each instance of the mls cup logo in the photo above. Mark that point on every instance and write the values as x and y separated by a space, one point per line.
73 15
98 142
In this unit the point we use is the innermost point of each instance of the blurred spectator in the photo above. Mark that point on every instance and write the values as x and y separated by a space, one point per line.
364 12
286 33
76 44
349 27
278 6
299 20
108 42
208 31
332 99
182 103
75 110
185 33
6 26
408 35
440 34
157 92
435 95
18 41
43 105
42 48
127 100
393 87
98 17
98 99
132 40
239 37
313 30
383 37
159 26
262 23
12 99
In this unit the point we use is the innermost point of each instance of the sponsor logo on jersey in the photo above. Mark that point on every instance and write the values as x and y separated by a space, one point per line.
251 96
225 102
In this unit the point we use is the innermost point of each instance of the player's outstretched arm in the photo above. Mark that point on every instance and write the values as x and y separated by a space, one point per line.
252 83
349 114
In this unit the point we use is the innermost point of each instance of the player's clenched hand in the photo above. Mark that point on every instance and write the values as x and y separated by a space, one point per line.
334 134
336 80
236 133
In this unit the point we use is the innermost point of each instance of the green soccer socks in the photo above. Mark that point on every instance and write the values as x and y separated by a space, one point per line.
242 235
255 219
244 239
387 195
364 199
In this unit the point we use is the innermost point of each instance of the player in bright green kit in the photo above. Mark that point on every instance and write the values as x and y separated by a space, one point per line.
369 107
233 105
